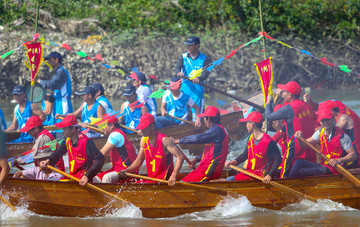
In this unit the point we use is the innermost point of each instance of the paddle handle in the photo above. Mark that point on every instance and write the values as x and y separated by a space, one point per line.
272 183
180 119
7 203
217 190
89 185
128 128
338 167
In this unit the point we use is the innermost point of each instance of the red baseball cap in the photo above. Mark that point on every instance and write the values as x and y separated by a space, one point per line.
292 87
329 104
69 120
32 122
145 120
211 111
113 119
253 117
324 114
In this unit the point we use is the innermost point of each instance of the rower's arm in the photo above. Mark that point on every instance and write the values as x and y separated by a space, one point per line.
344 122
94 154
206 137
4 169
57 81
205 73
197 110
58 153
121 118
285 112
115 139
274 158
179 65
78 112
314 139
14 124
242 157
100 111
48 107
138 161
163 109
37 111
174 150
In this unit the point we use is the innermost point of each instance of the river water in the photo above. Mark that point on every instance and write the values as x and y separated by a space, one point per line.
230 212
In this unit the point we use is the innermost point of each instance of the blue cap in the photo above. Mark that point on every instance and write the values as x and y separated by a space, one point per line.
98 87
18 90
192 40
54 55
86 90
129 90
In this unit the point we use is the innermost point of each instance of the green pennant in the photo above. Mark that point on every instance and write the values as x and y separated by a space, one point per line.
114 63
255 40
7 54
345 68
121 72
82 54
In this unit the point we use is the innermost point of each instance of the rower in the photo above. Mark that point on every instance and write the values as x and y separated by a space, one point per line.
34 127
100 97
4 165
143 91
131 116
188 62
60 83
216 148
121 150
176 103
3 125
298 115
90 108
334 143
85 160
22 112
347 120
261 151
158 151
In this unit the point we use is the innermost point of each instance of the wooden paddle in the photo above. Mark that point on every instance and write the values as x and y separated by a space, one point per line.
200 187
88 184
8 204
92 128
261 108
272 183
338 167
180 119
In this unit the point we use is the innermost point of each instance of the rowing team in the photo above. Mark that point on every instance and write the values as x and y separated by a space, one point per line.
293 120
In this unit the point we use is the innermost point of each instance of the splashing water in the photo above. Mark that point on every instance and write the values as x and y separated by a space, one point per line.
7 216
128 211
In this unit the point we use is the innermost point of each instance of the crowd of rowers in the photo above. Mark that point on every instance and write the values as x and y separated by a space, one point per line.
332 127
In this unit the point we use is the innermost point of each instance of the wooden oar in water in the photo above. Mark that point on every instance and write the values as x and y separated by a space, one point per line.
180 119
8 204
200 187
272 183
89 185
338 167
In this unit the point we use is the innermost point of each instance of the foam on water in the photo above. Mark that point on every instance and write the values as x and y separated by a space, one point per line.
227 208
322 205
7 216
128 211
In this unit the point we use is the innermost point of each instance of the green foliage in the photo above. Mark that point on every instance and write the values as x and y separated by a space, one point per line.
315 18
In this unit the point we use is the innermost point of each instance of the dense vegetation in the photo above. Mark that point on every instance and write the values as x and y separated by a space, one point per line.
315 18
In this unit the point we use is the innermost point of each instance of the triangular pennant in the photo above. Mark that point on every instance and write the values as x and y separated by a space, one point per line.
224 111
231 54
85 131
90 59
195 73
140 105
66 46
220 102
325 62
107 66
132 105
94 120
121 72
153 77
7 54
114 63
98 57
36 36
306 52
81 54
345 68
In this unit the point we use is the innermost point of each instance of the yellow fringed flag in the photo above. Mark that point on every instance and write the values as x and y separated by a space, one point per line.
195 73
265 71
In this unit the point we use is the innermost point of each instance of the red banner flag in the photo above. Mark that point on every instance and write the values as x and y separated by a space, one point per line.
264 69
34 53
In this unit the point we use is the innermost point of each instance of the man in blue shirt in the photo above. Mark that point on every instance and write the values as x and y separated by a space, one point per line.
60 83
100 97
176 103
188 62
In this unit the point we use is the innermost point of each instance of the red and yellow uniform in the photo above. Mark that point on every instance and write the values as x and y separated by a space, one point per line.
158 164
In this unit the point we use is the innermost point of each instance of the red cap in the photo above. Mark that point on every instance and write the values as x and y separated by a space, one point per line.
33 121
329 104
278 106
211 111
292 87
324 114
253 117
69 120
113 119
145 120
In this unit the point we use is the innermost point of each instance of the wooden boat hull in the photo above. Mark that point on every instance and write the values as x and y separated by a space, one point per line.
159 200
229 121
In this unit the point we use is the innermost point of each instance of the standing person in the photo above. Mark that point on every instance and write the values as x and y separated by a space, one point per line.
60 83
100 97
121 150
334 143
22 112
188 62
261 152
298 115
90 108
34 127
143 91
3 125
280 136
216 148
130 113
176 103
85 160
158 151
4 165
